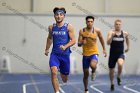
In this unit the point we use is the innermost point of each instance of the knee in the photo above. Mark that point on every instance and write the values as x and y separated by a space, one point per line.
111 70
86 74
54 72
93 65
85 77
120 64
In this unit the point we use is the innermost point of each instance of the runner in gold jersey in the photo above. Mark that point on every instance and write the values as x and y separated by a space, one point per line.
88 40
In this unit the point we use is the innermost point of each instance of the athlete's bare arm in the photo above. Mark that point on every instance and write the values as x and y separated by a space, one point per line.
127 41
109 37
101 41
49 40
72 38
80 38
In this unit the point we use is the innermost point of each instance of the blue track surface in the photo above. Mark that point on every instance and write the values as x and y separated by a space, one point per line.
41 83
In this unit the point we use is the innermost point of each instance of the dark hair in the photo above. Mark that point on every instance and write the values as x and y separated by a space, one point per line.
57 8
89 17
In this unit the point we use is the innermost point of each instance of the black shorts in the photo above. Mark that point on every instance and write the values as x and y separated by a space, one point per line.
113 59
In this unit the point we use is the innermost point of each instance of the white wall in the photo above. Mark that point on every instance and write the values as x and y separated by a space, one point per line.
94 6
29 57
124 6
20 5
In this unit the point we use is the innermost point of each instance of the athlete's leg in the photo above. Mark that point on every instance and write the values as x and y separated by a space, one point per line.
85 78
54 65
54 78
86 64
112 64
111 75
120 66
93 65
65 67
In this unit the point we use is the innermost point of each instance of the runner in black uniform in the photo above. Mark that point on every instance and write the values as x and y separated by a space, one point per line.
116 40
116 49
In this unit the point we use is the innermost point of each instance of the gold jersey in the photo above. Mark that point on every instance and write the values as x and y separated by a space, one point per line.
90 47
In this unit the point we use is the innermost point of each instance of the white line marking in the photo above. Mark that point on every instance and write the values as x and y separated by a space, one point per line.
69 83
30 84
35 86
99 84
130 89
7 82
61 90
96 89
72 85
24 87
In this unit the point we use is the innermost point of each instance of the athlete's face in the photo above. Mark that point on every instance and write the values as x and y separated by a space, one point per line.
59 17
118 26
90 23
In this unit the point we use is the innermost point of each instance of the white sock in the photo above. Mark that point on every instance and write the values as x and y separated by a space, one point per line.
57 92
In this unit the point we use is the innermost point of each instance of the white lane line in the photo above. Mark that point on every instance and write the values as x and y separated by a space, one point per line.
69 83
35 86
61 90
10 82
7 82
24 87
63 84
130 89
97 84
96 89
72 85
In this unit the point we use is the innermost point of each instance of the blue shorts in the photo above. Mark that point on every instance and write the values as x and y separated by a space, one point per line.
87 60
113 60
62 62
